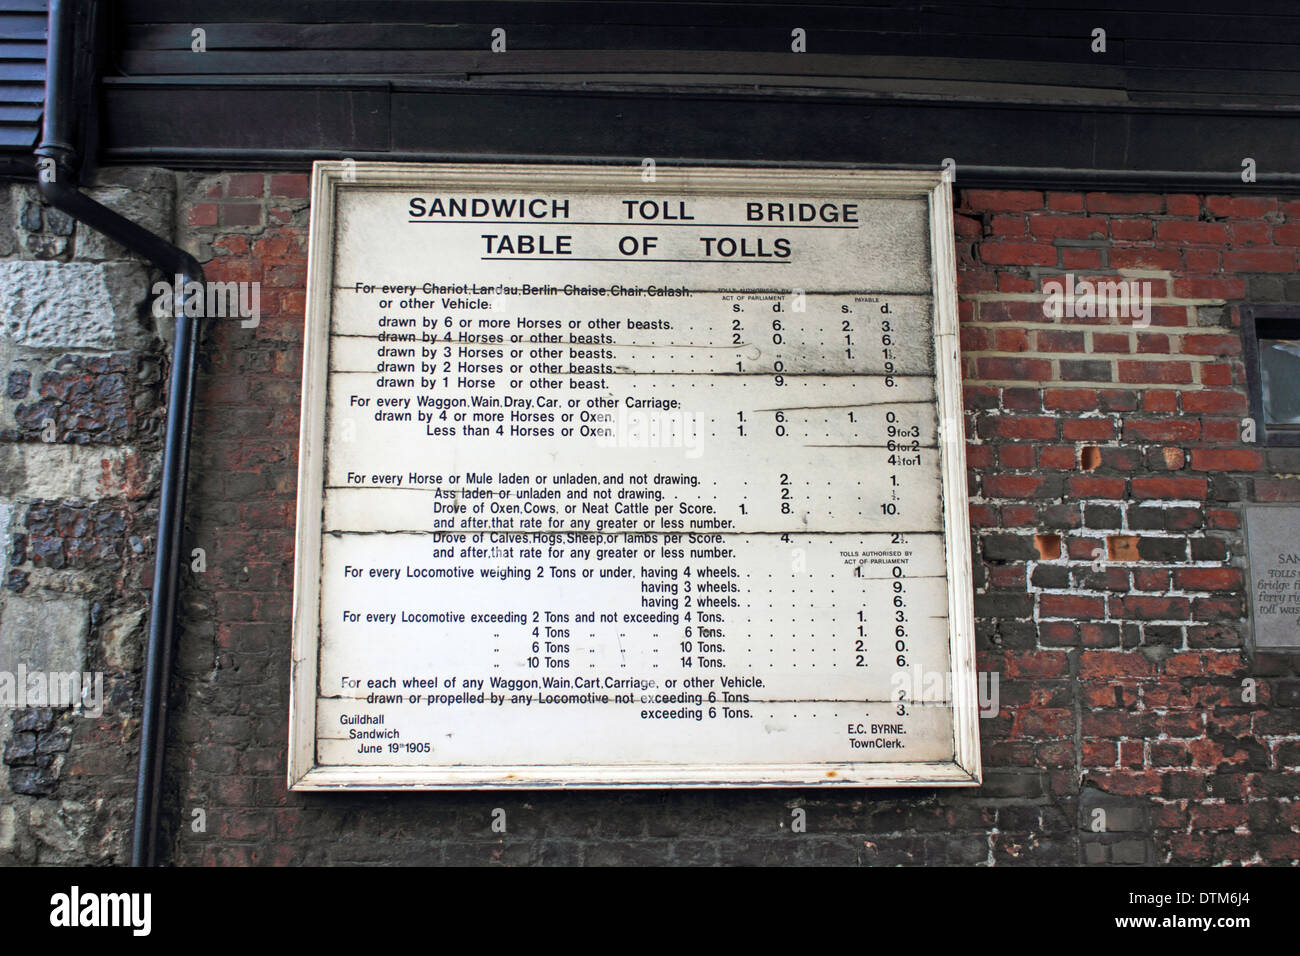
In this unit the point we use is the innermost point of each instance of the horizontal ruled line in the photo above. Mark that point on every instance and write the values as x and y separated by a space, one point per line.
638 222
725 262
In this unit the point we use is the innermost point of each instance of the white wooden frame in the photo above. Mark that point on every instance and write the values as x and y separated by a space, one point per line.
327 179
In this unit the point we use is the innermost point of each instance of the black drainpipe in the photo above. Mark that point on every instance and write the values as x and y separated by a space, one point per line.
58 187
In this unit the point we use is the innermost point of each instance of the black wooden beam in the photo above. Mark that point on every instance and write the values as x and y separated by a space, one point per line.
258 123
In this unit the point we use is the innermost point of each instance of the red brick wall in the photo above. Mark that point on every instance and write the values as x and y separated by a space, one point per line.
1124 658
1121 661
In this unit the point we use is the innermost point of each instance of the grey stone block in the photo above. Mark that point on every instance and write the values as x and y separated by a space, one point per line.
71 305
123 639
1129 851
43 635
143 195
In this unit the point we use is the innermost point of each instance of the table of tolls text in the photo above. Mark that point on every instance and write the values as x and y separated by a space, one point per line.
600 499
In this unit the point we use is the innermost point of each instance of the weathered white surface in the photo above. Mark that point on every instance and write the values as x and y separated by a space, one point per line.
7 828
71 304
6 515
33 470
43 635
486 599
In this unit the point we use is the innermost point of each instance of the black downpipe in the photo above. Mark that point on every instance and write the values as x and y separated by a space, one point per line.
57 186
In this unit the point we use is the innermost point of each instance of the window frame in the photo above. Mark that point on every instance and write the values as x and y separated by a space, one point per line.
1252 316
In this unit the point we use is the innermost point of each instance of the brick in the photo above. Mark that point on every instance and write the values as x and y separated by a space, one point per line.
1034 370
971 282
1061 457
1110 342
1189 233
1166 373
1013 486
1185 488
1167 316
1226 459
1277 489
293 275
1071 606
1221 519
1009 226
1070 399
1081 258
1211 345
1010 340
1239 207
1066 227
1162 429
1088 429
1155 581
1065 202
1016 310
1223 431
1138 607
1016 456
1250 234
1082 486
202 214
1162 400
241 214
1019 516
1117 400
1001 200
1010 282
1207 579
980 396
1144 257
1209 288
1171 549
1149 344
1085 371
1022 427
291 185
246 186
1124 203
1051 340
1131 230
1106 665
979 456
1018 253
974 340
1260 260
1183 519
1202 260
1215 373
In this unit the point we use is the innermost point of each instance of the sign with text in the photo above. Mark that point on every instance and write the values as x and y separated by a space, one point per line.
623 479
1273 551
